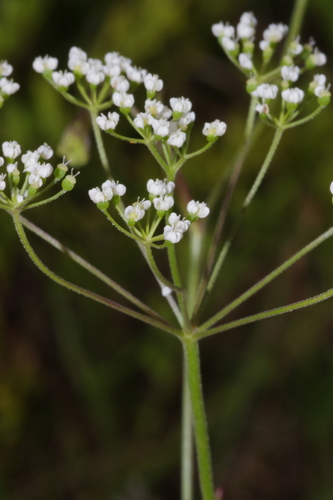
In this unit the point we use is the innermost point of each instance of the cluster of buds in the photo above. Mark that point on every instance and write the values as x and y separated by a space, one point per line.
7 87
160 193
36 171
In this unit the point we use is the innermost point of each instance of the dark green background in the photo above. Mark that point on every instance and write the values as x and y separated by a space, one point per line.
89 399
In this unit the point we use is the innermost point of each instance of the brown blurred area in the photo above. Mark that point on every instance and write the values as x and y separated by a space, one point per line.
90 399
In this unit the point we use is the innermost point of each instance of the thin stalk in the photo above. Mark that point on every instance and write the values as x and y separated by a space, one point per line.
251 194
82 291
270 277
295 23
181 294
266 314
90 268
306 119
191 352
48 200
194 261
100 145
187 442
158 274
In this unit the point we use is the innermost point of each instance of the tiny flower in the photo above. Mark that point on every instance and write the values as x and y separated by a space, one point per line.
275 32
46 63
63 78
323 94
163 203
78 61
295 48
180 105
2 161
96 195
6 69
11 149
142 120
117 189
120 83
320 80
136 74
123 100
264 45
8 87
229 44
95 74
11 167
245 61
136 212
266 91
112 70
293 96
154 107
214 129
108 123
248 19
160 188
331 187
177 139
45 170
318 58
161 127
221 29
290 73
245 31
153 83
2 182
176 228
112 58
45 151
198 209
185 120
29 159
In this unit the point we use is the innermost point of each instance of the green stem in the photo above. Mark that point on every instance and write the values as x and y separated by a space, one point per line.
157 157
187 442
191 351
100 145
295 23
270 277
251 194
48 200
306 119
89 267
177 281
158 274
82 291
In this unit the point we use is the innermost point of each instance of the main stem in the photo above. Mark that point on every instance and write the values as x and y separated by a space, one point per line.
187 442
191 352
295 22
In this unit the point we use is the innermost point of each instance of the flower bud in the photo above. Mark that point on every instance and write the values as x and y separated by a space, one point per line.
31 191
68 183
324 98
103 205
16 176
251 85
60 171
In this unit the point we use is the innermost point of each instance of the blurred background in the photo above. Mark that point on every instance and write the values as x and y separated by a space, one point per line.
90 399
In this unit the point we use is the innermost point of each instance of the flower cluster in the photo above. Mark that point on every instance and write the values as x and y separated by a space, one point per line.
7 87
161 198
36 171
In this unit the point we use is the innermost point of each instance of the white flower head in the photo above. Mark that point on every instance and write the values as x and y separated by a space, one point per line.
112 70
180 105
108 123
163 203
266 91
78 61
331 187
176 228
160 188
319 80
161 127
136 212
290 73
6 69
98 196
245 31
117 189
245 61
214 129
136 74
29 159
154 107
123 100
177 139
8 87
229 44
198 209
318 58
45 151
46 63
293 95
44 170
153 83
2 161
63 78
275 32
295 48
220 29
248 18
120 83
108 191
11 149
2 182
95 74
142 120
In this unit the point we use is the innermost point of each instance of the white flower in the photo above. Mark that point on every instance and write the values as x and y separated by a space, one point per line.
109 189
6 69
177 139
112 58
161 127
199 209
319 80
290 73
142 120
176 228
11 149
107 123
2 161
123 100
8 87
78 61
295 48
331 187
136 74
160 188
263 44
45 63
318 58
153 83
245 31
112 70
180 105
321 91
98 196
266 91
163 203
63 78
248 18
29 159
2 182
45 151
11 167
294 95
165 291
275 32
216 128
154 107
245 61
185 120
44 170
228 44
137 211
221 29
120 83
262 108
95 74
117 189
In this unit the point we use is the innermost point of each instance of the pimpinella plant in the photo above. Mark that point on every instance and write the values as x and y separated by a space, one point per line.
155 219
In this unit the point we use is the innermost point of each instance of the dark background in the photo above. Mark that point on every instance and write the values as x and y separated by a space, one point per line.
90 399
